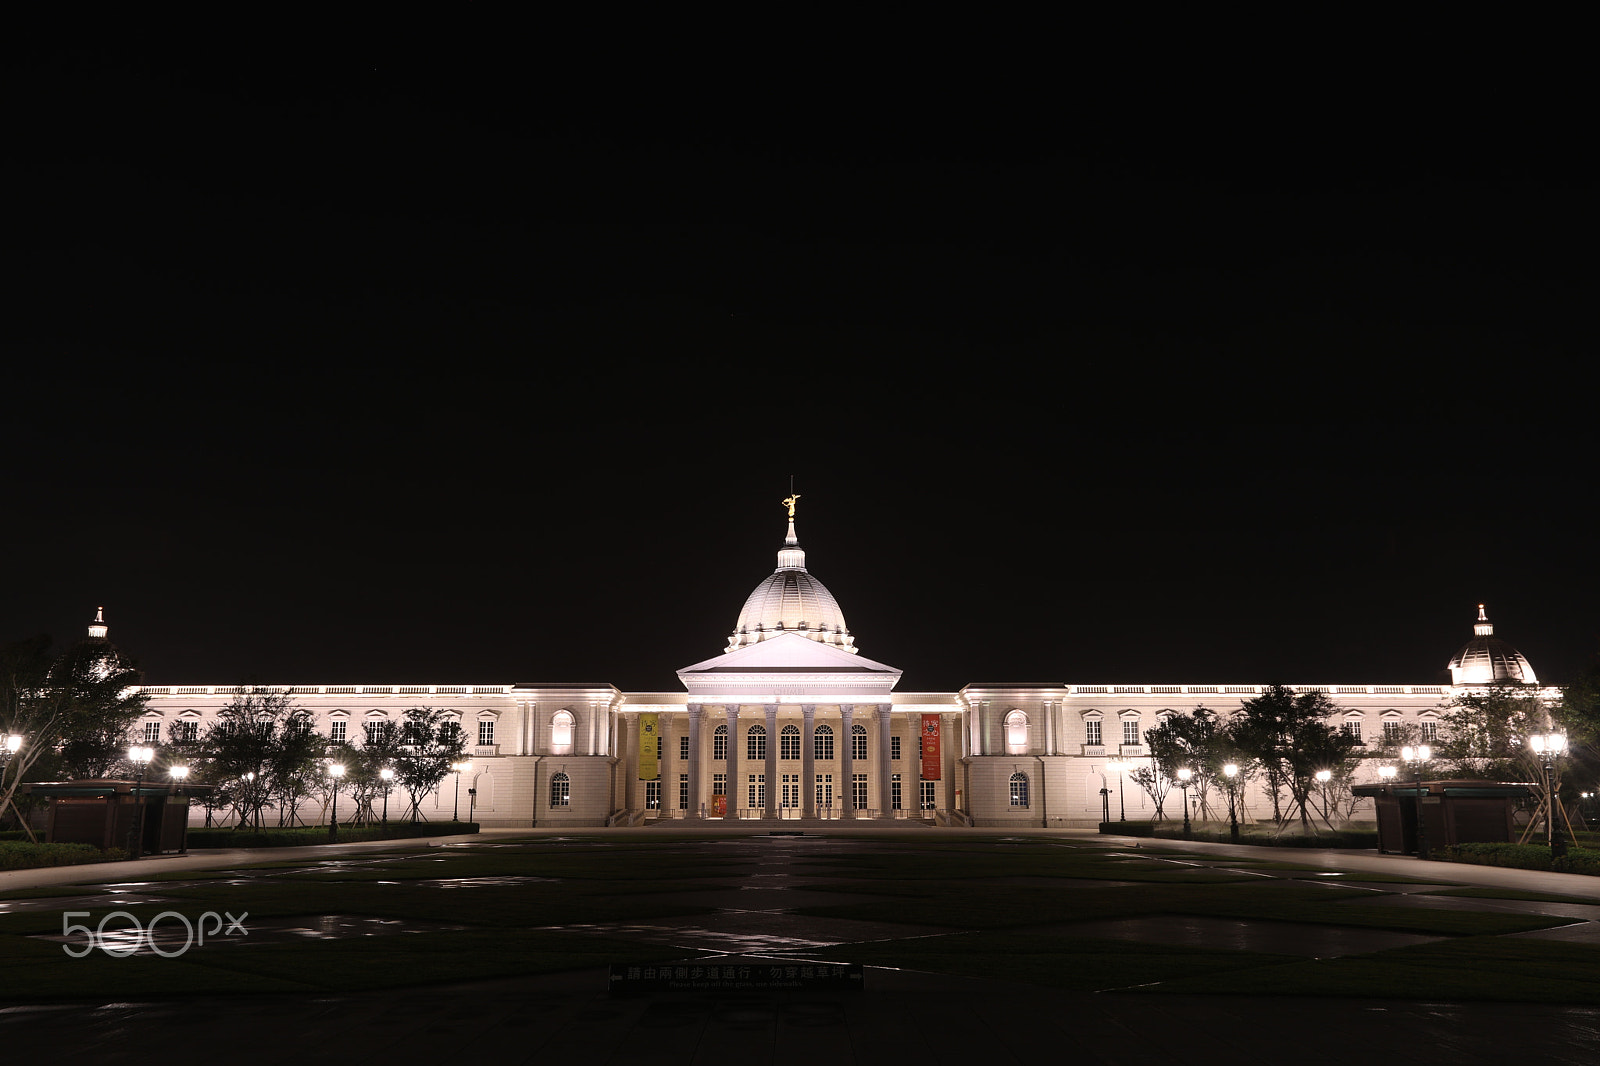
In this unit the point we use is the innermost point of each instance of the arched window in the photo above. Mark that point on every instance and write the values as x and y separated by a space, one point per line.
755 742
719 743
1019 789
1017 734
822 742
560 790
789 742
561 733
858 741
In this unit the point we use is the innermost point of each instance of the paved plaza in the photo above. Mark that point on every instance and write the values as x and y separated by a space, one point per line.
936 1018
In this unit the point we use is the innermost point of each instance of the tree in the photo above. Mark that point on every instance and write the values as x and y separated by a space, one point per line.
1196 741
430 742
1288 734
79 702
1486 732
261 748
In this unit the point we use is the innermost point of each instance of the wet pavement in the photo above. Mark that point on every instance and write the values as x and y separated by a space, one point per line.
937 1019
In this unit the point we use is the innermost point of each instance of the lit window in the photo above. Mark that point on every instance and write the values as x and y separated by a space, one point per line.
560 791
822 742
652 795
858 742
789 743
928 794
755 744
1019 790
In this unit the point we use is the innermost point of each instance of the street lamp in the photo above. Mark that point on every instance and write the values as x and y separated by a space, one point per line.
460 768
1416 757
335 771
1547 746
387 773
1231 771
1122 804
1184 773
1323 777
140 756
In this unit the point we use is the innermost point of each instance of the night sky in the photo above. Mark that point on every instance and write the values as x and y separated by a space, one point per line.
352 368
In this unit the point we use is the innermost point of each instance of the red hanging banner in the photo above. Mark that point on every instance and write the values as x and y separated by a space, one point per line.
931 760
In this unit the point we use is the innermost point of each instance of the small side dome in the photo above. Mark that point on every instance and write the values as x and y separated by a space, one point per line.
1486 658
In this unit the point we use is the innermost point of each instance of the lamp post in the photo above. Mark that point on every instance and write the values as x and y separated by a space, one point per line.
1122 783
9 747
335 771
1416 757
460 768
387 773
1231 772
1323 777
1547 746
1105 797
1184 773
140 756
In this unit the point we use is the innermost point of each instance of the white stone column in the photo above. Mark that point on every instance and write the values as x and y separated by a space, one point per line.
735 789
771 713
808 760
847 765
884 730
696 711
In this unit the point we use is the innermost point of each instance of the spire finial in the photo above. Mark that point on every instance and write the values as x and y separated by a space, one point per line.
97 628
1481 616
1482 627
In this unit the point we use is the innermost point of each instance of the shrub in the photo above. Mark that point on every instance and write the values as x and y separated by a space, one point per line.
1524 857
21 855
303 836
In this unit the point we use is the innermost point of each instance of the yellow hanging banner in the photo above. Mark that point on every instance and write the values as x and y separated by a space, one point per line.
649 768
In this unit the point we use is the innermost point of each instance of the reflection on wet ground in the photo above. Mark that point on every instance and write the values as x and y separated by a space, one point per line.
1233 934
754 931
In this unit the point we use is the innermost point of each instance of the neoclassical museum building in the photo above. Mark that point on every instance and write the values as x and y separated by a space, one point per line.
791 721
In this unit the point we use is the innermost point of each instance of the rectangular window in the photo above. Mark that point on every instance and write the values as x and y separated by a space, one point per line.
1091 729
336 732
858 743
929 791
652 795
1130 731
858 791
152 732
683 748
894 747
683 792
791 791
758 792
187 731
1019 790
1430 734
719 784
894 792
1391 732
658 747
1352 729
824 792
486 731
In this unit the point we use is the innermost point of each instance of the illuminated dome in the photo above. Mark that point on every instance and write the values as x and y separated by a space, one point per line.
791 601
1486 658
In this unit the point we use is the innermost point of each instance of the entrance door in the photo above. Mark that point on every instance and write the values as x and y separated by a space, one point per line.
824 792
791 790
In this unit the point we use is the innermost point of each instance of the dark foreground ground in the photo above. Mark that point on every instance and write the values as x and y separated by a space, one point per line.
976 947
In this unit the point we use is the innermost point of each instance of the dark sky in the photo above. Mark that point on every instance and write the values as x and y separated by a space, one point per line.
348 367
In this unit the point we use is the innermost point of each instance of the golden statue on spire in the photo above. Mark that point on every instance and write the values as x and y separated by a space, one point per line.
789 502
